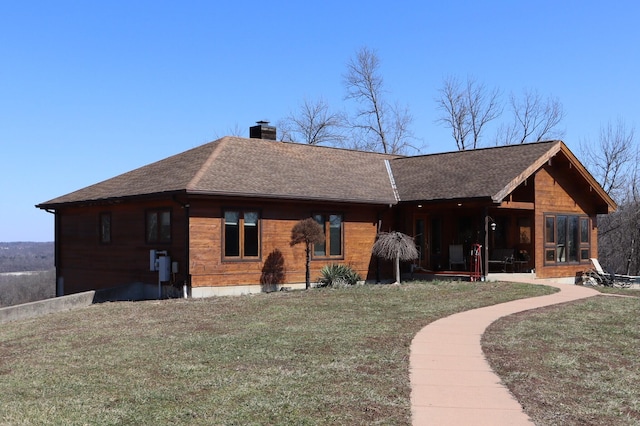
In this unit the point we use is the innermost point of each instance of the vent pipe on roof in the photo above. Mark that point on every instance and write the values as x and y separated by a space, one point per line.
262 131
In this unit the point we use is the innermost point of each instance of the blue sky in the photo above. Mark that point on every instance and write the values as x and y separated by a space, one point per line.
89 90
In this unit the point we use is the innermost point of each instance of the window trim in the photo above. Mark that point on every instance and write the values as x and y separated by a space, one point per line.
241 235
158 234
327 234
550 247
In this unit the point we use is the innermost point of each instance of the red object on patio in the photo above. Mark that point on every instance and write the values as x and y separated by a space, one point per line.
476 262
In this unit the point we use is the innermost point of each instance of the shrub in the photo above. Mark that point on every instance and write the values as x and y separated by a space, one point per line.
337 275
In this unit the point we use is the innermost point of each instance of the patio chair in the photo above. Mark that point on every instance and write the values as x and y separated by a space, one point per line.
598 276
456 256
503 258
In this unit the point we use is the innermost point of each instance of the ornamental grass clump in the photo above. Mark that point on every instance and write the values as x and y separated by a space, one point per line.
337 275
395 246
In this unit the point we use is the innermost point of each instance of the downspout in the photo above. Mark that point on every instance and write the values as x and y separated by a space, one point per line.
186 287
56 251
396 195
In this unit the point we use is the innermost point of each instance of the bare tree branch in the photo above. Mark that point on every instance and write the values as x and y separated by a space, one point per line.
535 118
313 124
483 106
467 109
455 112
376 125
611 159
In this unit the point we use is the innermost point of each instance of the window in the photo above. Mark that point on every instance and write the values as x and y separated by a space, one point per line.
566 238
241 234
105 228
332 226
524 229
159 226
585 252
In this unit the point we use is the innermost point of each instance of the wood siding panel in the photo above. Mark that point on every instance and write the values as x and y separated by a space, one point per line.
208 268
85 263
557 191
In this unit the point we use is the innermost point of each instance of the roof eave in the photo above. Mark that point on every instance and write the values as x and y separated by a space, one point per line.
117 200
292 197
552 152
511 186
108 200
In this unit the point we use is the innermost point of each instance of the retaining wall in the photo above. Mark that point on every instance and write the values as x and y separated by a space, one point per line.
47 306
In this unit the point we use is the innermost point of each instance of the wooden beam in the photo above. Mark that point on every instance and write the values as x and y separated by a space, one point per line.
517 205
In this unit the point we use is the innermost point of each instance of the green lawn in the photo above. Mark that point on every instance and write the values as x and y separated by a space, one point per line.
322 356
572 364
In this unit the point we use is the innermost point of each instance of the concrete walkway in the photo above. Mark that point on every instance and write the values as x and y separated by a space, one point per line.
451 381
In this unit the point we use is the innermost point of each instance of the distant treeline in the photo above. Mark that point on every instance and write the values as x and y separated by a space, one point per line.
17 288
26 256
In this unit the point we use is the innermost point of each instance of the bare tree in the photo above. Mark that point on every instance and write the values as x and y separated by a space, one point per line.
613 160
395 246
308 232
313 124
467 109
378 126
534 119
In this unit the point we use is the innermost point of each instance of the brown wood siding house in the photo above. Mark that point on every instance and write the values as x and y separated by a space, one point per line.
223 212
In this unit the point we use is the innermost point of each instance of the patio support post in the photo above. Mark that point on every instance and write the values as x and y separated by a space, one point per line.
486 243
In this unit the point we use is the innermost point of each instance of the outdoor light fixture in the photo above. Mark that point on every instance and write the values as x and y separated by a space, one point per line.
493 226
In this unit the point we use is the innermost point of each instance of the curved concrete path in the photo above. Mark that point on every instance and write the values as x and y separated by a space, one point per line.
451 381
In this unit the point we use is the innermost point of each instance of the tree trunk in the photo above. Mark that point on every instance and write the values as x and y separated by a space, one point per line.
308 268
398 268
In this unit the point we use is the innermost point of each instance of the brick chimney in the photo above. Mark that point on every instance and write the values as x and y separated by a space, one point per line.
262 130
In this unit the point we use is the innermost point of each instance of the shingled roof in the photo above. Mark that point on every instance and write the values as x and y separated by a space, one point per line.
478 173
255 168
260 168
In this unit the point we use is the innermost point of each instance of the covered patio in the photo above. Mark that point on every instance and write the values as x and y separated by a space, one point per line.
527 209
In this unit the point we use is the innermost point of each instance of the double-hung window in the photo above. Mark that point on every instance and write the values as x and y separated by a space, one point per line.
241 234
333 232
159 226
566 238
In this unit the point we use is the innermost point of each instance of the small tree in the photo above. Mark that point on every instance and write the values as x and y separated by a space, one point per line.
309 232
395 246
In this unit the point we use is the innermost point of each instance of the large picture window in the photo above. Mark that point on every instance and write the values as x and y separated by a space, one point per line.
159 226
241 234
566 238
332 226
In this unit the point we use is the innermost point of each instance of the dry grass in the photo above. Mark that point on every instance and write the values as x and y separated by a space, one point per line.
572 364
323 356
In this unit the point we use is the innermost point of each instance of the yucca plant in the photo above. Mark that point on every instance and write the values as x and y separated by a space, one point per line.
337 275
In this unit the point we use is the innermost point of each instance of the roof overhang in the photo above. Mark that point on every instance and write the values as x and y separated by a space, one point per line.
207 194
558 148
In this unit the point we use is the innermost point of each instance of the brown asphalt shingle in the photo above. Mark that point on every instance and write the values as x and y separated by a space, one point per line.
270 169
479 173
254 167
